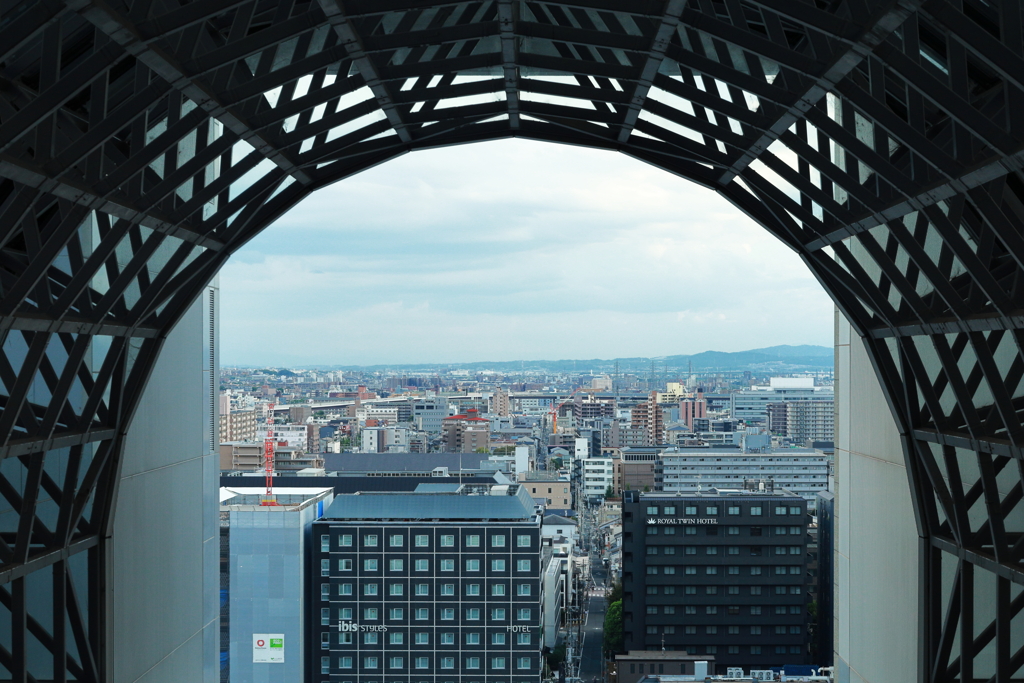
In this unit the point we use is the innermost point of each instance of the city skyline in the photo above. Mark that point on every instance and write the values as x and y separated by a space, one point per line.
418 280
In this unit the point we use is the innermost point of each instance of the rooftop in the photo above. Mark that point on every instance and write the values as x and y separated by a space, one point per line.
467 503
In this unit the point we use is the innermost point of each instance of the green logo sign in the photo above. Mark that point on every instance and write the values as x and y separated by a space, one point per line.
277 642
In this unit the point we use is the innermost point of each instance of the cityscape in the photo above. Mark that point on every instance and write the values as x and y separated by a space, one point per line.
527 522
511 341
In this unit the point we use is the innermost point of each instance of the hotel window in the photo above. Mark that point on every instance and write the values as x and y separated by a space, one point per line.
370 540
396 565
447 662
733 531
345 540
652 509
690 609
370 589
345 565
712 550
670 570
370 565
472 565
524 663
447 565
497 565
669 590
396 589
755 610
472 589
498 614
755 590
325 665
711 630
498 589
345 613
522 638
345 638
711 570
473 614
795 510
370 638
669 609
448 589
370 614
670 509
755 649
755 511
423 662
691 630
369 662
734 570
497 662
711 510
422 565
396 638
523 541
396 541
652 630
691 509
325 543
447 541
522 565
734 590
780 531
345 662
472 662
396 613
651 550
497 639
711 609
325 567
711 590
780 510
795 530
498 541
689 570
734 510
422 589
472 639
472 541
423 541
423 639
422 613
523 589
652 570
447 638
691 550
448 614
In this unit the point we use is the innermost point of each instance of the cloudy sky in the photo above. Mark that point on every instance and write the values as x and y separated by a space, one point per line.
513 250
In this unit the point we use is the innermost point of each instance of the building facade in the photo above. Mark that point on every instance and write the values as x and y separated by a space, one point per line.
751 405
722 575
466 432
441 587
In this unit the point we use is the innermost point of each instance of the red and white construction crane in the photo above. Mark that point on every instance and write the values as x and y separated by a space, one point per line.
555 409
268 458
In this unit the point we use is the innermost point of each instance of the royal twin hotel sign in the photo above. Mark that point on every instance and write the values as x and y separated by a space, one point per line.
681 521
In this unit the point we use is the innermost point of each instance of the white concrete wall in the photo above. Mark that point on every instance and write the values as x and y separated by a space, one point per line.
876 537
165 549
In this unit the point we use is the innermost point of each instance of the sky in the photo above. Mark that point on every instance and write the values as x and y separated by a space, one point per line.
513 250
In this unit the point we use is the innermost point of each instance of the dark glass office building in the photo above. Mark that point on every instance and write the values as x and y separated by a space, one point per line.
441 585
722 573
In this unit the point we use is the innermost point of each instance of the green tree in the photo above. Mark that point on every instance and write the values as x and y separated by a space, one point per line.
482 450
504 450
555 464
608 493
556 656
613 635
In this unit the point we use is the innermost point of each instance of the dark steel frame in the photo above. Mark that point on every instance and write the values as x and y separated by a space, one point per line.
142 142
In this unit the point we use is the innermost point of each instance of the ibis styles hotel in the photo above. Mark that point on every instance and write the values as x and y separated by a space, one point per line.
441 585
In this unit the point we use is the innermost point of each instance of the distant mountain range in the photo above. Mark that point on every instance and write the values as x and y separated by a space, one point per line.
773 358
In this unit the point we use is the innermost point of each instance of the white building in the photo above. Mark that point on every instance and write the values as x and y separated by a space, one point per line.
294 436
751 405
598 475
801 470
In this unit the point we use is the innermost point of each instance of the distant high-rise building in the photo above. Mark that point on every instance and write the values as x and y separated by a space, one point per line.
691 409
500 403
803 421
648 416
466 432
751 405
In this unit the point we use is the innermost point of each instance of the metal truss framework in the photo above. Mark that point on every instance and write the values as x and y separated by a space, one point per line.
143 141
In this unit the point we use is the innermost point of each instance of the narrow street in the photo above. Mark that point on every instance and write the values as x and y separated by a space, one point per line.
591 668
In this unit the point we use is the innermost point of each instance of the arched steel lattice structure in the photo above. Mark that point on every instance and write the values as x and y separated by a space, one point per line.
142 141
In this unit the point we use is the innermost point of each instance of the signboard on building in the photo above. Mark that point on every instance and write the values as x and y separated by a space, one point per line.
268 648
681 520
